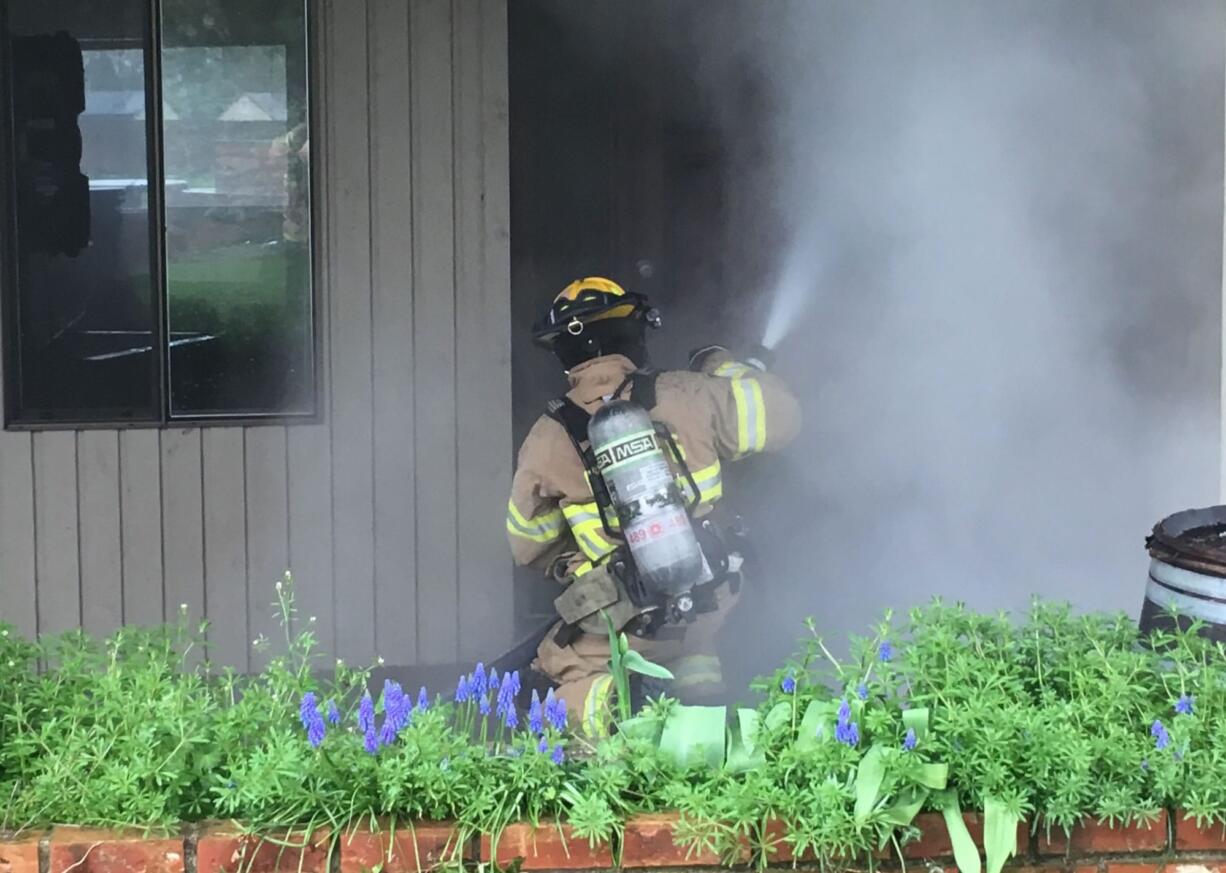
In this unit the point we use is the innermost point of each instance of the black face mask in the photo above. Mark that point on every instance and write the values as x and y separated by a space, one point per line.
622 336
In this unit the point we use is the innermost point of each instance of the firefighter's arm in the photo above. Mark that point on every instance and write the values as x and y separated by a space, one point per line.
755 411
536 529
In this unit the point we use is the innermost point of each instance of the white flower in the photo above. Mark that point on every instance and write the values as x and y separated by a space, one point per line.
311 620
379 660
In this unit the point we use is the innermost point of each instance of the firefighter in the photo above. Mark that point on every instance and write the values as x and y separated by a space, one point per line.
718 411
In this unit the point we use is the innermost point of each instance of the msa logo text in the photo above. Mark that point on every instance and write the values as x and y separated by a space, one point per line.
624 451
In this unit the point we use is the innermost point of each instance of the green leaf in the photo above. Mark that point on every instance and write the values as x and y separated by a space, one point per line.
635 662
966 854
743 753
904 810
934 776
695 736
779 715
645 727
916 720
869 776
815 726
999 833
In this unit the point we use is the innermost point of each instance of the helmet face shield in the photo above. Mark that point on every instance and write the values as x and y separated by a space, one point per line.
619 336
594 317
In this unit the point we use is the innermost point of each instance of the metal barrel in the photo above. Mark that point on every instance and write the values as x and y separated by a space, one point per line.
1187 572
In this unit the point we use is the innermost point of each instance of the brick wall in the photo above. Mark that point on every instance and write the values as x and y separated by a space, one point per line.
1172 844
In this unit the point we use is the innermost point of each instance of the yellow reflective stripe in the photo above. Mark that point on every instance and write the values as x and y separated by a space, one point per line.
585 524
584 568
541 529
593 544
709 481
750 416
596 705
731 369
585 513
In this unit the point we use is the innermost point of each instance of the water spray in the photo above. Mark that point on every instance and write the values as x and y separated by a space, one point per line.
792 292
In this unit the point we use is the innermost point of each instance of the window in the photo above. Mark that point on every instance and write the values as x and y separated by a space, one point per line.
158 256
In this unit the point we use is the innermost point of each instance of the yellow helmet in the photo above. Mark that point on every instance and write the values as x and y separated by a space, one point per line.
588 301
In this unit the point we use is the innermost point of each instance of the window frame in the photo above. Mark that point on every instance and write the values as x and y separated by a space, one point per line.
9 321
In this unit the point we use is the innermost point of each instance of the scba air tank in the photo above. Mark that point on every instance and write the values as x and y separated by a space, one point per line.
654 521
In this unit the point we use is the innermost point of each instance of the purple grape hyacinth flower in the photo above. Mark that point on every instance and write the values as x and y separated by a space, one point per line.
886 652
558 755
483 706
862 691
536 715
543 746
334 714
555 711
910 740
387 735
371 742
788 685
510 717
307 712
463 691
848 734
477 680
312 721
423 699
491 684
1162 739
1185 705
366 714
846 731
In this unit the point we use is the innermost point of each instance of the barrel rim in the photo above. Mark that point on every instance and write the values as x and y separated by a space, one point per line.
1164 543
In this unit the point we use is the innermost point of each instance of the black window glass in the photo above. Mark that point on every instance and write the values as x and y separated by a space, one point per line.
236 158
85 347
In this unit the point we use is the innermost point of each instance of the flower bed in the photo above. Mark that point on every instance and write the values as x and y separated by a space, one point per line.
1070 735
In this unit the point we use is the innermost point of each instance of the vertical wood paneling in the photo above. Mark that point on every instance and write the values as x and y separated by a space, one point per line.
140 483
390 514
392 326
349 140
18 574
98 509
267 533
483 296
434 350
183 523
55 520
310 529
225 547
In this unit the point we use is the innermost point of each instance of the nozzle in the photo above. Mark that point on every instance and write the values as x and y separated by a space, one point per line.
761 357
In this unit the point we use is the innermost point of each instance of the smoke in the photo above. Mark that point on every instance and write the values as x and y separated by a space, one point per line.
1001 302
986 242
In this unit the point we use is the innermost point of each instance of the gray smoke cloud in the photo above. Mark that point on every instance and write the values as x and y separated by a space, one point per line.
995 229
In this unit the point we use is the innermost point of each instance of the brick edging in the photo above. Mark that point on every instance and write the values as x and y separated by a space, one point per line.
648 842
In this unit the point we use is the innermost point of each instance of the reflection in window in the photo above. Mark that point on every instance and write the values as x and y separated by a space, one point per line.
85 340
237 214
98 325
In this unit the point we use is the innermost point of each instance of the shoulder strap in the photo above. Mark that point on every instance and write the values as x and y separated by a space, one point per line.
642 387
571 416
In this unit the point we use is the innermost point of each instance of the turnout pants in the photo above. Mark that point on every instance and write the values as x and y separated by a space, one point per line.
581 672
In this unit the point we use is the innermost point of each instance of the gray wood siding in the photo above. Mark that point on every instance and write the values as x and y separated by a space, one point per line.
389 513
